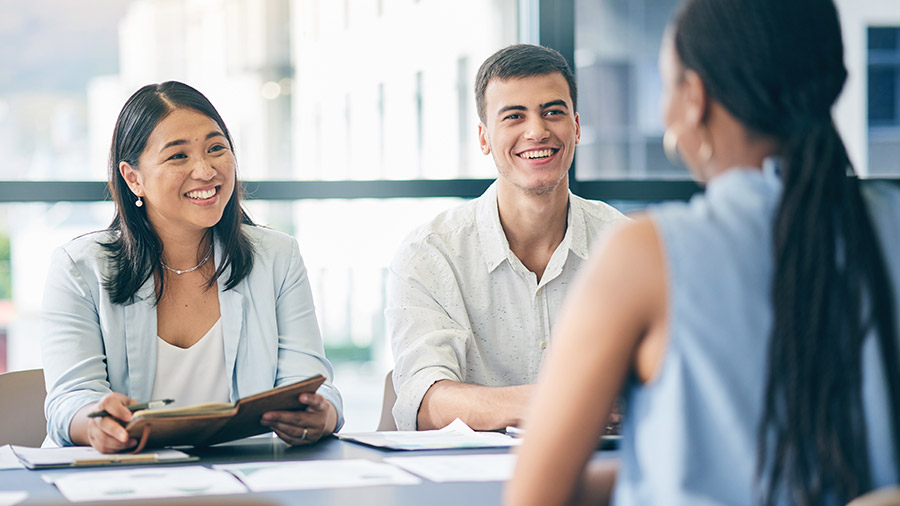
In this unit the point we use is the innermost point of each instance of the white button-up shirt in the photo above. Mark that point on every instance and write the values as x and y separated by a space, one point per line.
461 306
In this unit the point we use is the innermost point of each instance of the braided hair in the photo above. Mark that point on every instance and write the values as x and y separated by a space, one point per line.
777 66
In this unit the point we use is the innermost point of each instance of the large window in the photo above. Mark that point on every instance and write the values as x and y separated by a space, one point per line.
884 100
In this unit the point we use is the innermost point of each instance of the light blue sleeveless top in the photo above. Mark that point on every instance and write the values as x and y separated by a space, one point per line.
690 433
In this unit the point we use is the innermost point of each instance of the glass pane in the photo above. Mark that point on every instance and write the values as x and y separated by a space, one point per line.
883 38
883 95
616 50
315 89
347 246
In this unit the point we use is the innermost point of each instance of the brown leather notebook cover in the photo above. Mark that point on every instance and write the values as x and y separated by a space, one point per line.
208 424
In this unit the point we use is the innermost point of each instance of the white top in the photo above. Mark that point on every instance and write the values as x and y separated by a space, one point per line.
461 306
192 375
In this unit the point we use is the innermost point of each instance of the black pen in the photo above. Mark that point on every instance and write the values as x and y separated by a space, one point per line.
136 407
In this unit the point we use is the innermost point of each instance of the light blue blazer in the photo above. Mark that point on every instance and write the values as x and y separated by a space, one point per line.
91 347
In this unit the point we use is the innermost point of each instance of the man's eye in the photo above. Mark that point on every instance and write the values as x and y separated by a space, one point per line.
553 113
513 116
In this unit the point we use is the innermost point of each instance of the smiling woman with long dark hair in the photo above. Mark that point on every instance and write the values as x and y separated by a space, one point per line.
753 330
182 296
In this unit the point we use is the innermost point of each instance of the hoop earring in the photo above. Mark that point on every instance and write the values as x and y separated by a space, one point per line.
139 202
670 147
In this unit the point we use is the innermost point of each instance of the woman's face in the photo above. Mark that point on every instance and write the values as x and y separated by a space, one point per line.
185 175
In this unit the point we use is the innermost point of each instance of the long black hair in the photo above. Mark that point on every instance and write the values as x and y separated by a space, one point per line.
777 66
136 249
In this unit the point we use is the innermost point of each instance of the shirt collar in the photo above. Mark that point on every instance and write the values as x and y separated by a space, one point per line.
493 239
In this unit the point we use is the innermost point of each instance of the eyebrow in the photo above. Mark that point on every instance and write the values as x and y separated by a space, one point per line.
179 142
552 103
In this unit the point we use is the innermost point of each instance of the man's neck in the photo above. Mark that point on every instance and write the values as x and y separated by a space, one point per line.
534 224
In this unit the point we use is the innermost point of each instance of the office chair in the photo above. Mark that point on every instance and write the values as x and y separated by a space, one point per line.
885 496
22 419
390 397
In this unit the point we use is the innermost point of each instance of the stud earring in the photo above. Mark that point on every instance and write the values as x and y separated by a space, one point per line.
139 202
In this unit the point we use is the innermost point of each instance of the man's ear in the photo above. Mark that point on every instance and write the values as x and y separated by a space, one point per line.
696 99
132 178
483 141
577 129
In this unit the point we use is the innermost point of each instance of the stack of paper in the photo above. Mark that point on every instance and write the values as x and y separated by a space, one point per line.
79 456
455 435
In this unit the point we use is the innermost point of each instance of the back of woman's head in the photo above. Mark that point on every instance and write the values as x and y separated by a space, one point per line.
136 249
777 67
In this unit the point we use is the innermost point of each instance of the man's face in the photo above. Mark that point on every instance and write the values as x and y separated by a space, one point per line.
531 131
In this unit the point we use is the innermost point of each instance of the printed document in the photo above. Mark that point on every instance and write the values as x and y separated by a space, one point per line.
495 467
274 476
145 483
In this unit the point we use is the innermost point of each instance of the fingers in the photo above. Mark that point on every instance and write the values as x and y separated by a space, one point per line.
116 405
106 434
296 427
314 402
306 426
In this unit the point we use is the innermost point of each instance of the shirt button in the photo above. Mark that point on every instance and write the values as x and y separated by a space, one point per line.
539 291
543 344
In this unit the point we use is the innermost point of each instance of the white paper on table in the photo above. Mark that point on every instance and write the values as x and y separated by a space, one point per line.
8 459
11 498
455 435
73 456
310 474
145 482
495 467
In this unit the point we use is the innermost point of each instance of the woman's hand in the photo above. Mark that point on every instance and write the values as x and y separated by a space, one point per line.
303 427
105 433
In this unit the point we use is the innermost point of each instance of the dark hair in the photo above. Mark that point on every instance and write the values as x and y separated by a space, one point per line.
522 60
777 66
136 249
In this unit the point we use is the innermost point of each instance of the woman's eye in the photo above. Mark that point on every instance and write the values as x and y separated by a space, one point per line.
217 147
178 156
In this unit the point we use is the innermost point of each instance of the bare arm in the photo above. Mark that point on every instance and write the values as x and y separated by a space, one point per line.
610 323
481 407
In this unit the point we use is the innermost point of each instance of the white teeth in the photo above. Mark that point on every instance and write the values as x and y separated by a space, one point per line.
541 153
202 194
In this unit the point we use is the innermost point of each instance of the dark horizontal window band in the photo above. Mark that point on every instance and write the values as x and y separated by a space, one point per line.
619 190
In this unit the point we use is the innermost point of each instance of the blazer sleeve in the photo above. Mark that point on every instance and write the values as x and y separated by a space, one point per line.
301 352
72 348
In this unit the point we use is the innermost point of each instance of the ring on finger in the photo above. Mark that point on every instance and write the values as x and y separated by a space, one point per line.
305 431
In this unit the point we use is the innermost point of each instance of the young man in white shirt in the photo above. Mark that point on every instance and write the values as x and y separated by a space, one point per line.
472 295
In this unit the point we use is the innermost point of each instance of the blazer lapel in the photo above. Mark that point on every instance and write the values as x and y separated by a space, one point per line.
140 342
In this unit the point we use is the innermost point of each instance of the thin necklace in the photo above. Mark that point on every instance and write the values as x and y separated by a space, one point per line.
192 269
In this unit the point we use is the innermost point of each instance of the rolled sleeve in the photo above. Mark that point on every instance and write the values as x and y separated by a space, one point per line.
424 311
72 348
301 353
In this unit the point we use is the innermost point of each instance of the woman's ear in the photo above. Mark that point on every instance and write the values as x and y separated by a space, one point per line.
132 178
696 99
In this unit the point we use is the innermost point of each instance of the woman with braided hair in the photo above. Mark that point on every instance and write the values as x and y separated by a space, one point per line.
753 330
